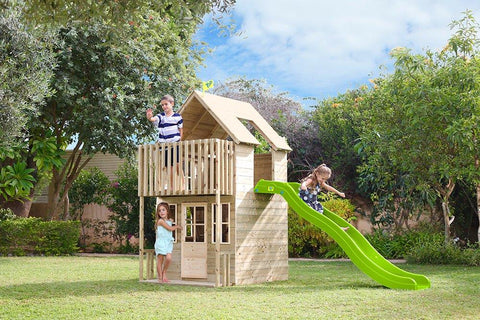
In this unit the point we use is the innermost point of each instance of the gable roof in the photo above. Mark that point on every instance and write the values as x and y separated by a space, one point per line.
207 115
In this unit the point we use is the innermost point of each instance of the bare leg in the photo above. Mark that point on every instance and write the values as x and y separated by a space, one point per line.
168 259
160 267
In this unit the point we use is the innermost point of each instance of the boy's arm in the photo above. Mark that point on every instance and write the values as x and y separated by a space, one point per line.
150 116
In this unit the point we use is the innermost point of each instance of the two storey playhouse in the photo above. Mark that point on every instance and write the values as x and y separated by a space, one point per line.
230 235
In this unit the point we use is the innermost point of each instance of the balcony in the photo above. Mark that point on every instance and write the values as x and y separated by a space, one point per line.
192 167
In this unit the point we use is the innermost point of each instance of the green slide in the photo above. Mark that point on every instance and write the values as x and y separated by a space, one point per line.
358 249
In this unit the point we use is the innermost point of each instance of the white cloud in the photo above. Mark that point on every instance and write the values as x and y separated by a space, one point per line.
322 48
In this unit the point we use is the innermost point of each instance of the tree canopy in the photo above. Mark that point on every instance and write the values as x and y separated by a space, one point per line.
25 71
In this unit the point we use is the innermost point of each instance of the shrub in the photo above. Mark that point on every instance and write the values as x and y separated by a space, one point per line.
441 253
307 240
33 236
396 246
7 214
122 199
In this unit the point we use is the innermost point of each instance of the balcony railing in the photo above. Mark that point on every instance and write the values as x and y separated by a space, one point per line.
192 167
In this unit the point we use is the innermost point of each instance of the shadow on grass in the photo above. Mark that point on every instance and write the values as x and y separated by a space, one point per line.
304 277
60 289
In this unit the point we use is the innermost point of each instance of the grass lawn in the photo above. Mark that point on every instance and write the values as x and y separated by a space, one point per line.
79 287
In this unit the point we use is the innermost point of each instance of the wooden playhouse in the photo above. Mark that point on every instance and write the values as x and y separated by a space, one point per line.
230 235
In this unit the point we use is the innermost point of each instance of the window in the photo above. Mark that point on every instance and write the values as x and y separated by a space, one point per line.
225 224
195 223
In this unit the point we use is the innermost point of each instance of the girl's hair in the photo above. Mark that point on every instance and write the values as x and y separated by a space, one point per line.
168 97
322 170
166 206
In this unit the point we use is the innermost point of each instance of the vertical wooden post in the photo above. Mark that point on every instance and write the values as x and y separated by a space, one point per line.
141 190
141 240
218 231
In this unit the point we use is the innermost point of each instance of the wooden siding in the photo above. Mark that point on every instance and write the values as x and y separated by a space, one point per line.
261 227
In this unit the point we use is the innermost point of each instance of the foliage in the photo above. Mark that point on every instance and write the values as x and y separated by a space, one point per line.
26 165
7 214
399 245
25 71
337 126
431 99
32 235
123 201
16 181
101 237
118 12
88 188
439 252
307 240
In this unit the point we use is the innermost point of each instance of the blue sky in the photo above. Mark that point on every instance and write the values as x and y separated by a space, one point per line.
319 49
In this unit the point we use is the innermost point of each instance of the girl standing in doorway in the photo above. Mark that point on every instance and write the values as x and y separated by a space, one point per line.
164 240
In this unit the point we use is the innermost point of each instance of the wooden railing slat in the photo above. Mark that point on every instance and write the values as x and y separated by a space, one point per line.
204 167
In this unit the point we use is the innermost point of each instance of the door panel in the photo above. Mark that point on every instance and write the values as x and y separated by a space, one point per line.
194 246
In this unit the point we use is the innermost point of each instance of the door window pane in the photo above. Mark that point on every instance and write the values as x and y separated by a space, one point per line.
195 224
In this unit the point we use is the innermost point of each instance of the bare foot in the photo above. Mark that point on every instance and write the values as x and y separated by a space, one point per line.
166 280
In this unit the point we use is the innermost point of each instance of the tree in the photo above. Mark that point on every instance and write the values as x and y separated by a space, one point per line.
24 166
397 193
429 106
150 50
54 13
337 126
102 89
25 71
464 131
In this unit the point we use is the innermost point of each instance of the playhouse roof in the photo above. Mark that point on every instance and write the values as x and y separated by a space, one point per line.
207 115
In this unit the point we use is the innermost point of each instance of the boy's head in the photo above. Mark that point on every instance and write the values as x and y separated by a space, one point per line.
168 98
167 103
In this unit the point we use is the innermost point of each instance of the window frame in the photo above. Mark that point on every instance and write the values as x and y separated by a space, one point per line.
194 223
227 223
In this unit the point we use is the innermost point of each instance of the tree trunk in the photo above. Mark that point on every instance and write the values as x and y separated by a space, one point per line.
478 211
447 220
53 195
20 208
62 181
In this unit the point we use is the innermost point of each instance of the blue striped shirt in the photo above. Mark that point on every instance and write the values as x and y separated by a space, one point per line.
168 127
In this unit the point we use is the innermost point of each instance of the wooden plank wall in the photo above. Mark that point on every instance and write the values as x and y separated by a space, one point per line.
261 221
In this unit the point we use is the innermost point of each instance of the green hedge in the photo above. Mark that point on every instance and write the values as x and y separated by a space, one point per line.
34 236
